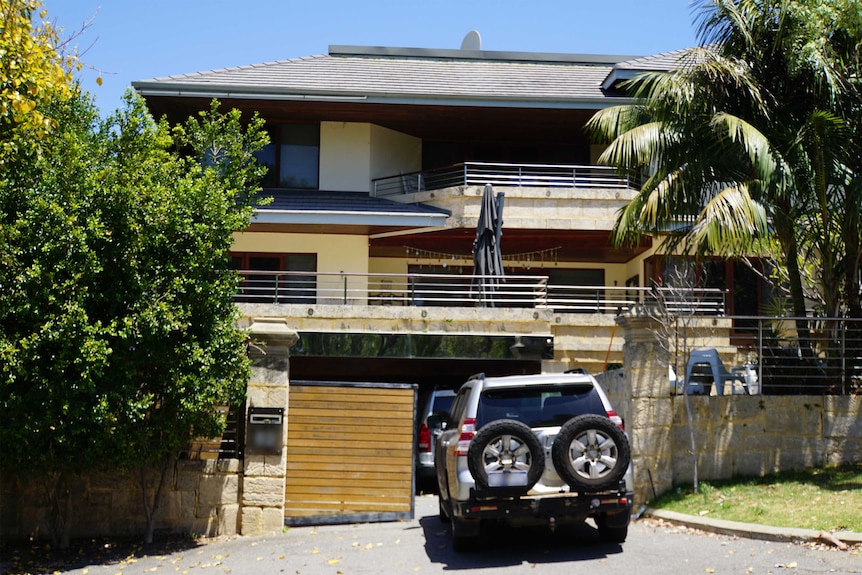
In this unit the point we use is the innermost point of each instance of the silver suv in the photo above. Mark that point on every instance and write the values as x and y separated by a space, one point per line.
533 450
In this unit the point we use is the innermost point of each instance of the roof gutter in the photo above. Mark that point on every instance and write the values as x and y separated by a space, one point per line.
186 91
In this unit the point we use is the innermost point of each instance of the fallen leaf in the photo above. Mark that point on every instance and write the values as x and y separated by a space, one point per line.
708 570
791 565
334 561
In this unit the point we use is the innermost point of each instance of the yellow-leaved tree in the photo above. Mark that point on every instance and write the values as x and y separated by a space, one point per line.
33 72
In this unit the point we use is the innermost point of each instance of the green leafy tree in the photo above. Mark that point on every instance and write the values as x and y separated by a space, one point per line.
753 136
118 335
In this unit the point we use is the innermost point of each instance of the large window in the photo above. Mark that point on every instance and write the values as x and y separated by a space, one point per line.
292 156
747 293
262 285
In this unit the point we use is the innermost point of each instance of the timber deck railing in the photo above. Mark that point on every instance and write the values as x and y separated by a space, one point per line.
458 290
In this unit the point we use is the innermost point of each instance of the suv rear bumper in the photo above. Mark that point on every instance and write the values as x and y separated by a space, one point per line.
615 507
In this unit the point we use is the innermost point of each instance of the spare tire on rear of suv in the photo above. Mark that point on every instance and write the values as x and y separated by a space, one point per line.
511 452
591 453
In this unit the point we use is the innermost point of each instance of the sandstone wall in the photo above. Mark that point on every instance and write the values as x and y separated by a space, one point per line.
731 435
202 498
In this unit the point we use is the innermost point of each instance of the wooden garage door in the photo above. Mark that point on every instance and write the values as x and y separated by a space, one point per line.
349 452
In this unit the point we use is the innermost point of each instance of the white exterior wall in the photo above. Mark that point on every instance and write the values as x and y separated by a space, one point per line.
352 154
393 152
345 152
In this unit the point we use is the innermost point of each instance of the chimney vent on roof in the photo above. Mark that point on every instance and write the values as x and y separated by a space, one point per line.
472 41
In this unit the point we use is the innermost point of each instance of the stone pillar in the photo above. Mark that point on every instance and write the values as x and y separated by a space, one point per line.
262 509
649 412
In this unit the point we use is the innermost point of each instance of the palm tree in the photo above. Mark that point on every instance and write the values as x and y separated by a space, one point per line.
747 140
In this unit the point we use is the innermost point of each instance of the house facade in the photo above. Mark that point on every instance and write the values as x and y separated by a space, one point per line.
378 162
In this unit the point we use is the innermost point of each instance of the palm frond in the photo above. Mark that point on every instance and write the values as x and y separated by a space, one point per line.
731 224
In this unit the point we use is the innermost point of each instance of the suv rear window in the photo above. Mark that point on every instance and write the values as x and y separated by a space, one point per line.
441 403
539 406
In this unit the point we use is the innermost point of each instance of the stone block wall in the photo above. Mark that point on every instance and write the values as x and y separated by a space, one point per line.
201 498
733 435
759 435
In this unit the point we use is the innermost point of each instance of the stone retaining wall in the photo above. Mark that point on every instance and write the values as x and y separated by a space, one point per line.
734 435
201 498
758 435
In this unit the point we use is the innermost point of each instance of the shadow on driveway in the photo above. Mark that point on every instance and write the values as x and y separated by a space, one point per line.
501 546
40 557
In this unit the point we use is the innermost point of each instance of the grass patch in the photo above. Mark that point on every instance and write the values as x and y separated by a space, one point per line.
825 499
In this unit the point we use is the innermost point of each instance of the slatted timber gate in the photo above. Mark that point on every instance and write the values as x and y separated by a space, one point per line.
349 452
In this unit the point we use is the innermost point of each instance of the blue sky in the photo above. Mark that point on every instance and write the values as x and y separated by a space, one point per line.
130 40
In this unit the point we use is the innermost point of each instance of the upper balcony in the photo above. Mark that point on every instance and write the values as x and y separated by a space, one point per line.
467 174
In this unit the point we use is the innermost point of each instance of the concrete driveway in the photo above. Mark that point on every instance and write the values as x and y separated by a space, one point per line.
422 546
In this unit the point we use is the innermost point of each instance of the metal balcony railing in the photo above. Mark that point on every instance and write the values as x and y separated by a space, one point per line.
502 175
772 357
457 290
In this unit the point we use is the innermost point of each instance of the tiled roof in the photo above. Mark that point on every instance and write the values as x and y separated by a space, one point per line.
408 74
656 63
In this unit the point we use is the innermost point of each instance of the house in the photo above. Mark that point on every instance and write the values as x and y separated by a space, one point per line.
378 161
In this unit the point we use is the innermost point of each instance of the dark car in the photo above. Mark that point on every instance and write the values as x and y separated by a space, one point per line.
437 402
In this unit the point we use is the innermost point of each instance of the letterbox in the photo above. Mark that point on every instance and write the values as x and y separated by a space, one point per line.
265 431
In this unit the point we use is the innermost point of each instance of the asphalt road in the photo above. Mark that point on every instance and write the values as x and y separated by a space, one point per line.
422 546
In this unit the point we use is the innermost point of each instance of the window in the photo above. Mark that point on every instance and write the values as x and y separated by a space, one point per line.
258 286
539 406
747 293
292 156
564 283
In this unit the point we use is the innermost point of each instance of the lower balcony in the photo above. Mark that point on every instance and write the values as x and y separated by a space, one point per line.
468 291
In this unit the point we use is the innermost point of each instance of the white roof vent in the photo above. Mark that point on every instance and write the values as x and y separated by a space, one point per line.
472 41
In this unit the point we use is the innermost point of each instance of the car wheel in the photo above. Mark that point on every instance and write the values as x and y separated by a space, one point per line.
591 453
613 534
505 455
464 534
441 509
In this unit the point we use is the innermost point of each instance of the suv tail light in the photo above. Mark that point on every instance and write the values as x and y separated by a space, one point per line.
616 419
468 432
424 439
